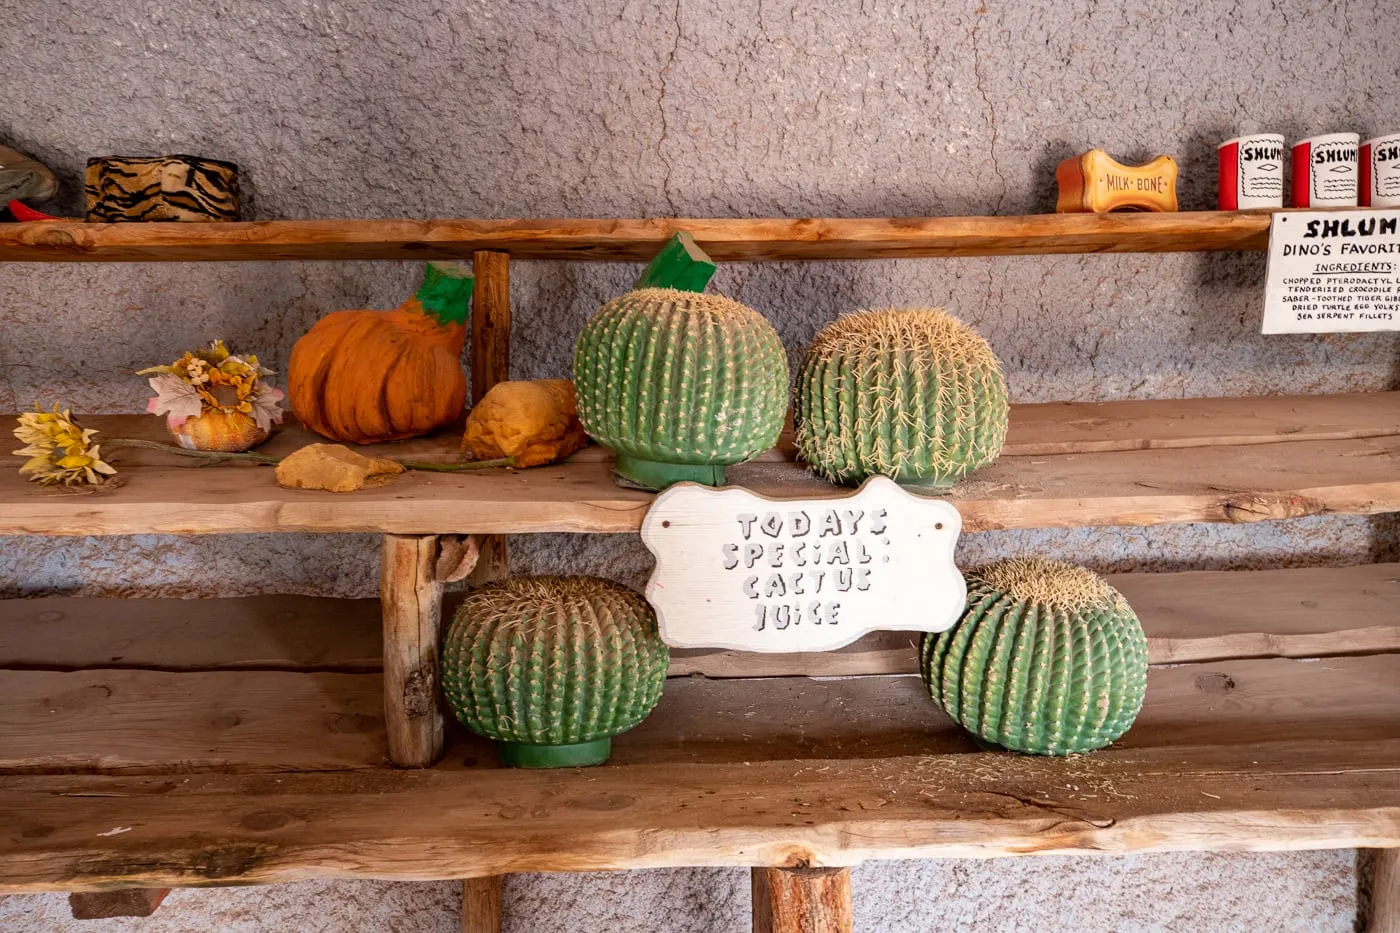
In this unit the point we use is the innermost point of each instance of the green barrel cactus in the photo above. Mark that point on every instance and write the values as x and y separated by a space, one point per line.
1047 658
553 667
909 393
680 385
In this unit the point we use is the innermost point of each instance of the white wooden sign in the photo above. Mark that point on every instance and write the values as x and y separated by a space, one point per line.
1333 272
738 570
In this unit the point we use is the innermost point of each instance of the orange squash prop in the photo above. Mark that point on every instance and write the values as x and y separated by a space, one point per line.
370 376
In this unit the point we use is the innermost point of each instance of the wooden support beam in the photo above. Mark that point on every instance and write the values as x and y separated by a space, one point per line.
802 900
104 905
490 347
481 904
1385 891
490 356
410 594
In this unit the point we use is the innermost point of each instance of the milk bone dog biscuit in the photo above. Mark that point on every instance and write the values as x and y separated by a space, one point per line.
1096 183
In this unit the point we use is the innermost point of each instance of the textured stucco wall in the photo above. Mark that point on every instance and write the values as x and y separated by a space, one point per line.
702 107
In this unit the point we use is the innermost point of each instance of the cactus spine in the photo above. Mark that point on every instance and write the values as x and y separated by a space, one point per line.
680 384
909 393
553 667
1047 658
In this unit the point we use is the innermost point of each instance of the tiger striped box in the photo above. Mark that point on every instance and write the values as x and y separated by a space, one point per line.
176 187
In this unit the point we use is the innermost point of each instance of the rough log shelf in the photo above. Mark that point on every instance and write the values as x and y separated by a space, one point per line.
727 240
279 738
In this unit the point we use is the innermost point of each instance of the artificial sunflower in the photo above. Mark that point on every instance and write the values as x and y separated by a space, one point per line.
59 449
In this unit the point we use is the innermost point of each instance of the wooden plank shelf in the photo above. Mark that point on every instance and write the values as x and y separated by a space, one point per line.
1195 616
138 721
637 240
75 833
1305 612
1260 752
1066 465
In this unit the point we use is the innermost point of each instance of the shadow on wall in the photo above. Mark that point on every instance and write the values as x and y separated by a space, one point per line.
1385 538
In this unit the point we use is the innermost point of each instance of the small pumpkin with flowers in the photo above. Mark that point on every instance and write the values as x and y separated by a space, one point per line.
214 399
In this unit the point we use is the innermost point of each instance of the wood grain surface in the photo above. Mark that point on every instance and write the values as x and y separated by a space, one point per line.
104 905
802 900
254 632
1191 616
155 722
82 832
152 721
410 596
481 904
490 364
1141 482
780 772
1385 892
724 239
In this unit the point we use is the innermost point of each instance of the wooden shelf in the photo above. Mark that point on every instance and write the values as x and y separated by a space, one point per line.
726 239
1065 465
204 782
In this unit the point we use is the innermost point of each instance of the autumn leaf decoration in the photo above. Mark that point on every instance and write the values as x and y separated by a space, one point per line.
213 379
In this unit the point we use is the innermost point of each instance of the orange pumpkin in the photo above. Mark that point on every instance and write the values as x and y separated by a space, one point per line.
369 376
226 431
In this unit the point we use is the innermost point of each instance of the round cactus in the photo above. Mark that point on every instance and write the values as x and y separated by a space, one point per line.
553 667
1047 658
680 385
909 393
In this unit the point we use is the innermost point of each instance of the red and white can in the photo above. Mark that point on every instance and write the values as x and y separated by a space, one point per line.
1325 171
1251 172
1380 171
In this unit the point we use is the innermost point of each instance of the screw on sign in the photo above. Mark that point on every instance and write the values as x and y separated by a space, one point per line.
738 570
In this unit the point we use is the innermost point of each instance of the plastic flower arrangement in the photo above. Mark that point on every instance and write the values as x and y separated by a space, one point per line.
215 400
60 450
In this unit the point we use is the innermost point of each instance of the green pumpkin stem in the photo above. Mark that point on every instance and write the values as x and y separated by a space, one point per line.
446 292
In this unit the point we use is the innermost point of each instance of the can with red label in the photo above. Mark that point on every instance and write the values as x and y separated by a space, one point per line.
1380 171
1251 172
1325 170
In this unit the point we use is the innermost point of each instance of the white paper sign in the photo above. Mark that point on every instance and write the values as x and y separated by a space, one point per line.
738 570
1333 271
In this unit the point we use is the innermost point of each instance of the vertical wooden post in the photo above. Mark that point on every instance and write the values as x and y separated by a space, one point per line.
411 599
802 900
490 348
1385 892
481 905
490 356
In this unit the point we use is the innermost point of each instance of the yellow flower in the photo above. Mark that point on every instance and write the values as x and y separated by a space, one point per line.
59 449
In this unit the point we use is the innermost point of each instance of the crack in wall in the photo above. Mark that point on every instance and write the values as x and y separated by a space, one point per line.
665 123
991 111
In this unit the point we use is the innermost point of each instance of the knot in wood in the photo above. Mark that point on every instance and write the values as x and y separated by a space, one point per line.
1262 507
418 698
